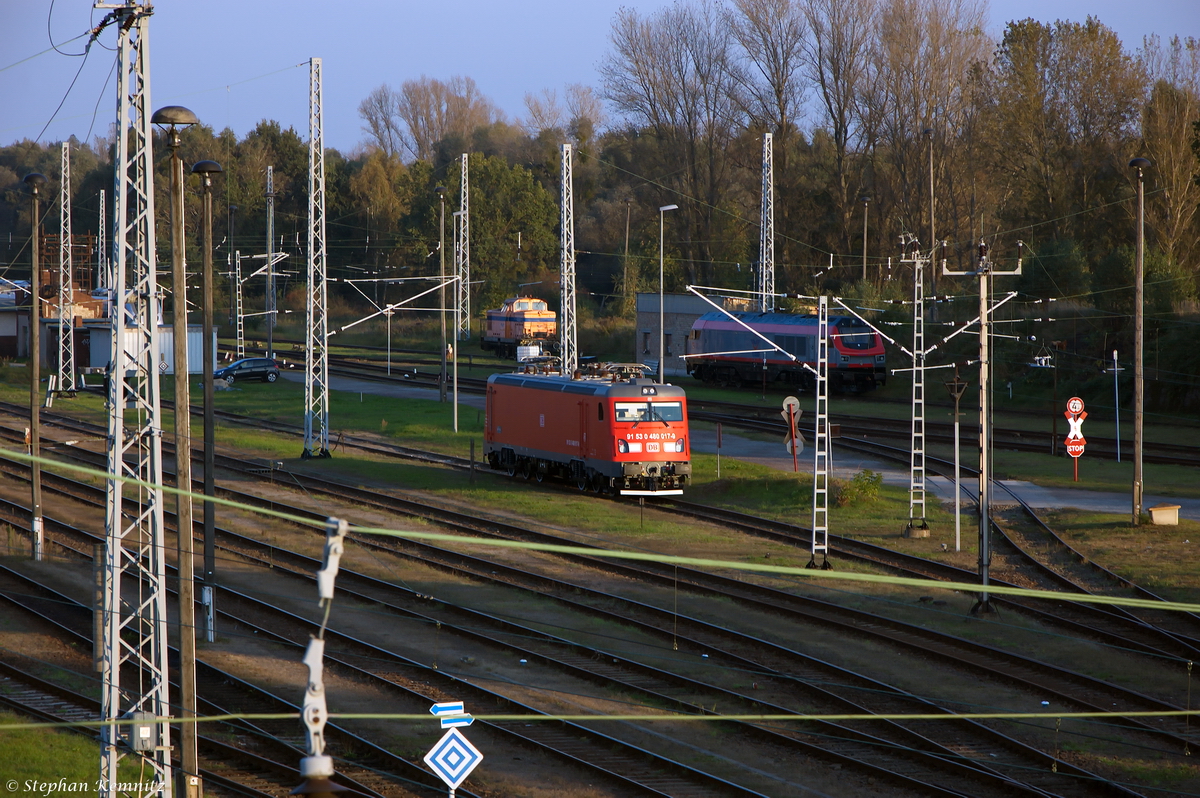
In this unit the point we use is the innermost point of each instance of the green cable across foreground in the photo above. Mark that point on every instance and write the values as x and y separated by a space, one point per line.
666 559
709 718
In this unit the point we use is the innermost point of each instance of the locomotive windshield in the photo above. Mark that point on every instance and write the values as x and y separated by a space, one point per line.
648 411
855 334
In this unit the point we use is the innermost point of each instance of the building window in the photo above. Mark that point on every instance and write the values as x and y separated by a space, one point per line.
645 343
667 344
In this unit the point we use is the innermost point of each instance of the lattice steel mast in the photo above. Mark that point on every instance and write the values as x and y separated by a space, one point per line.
766 241
270 304
102 280
65 380
462 257
316 358
134 623
916 474
567 323
820 514
239 311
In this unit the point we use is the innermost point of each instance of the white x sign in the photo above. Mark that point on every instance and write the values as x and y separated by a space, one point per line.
1076 423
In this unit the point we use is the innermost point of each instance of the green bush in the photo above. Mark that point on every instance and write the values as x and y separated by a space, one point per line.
863 488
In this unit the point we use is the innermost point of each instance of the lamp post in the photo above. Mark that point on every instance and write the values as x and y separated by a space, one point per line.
865 199
206 170
1141 164
956 387
1116 370
35 181
174 117
662 347
441 190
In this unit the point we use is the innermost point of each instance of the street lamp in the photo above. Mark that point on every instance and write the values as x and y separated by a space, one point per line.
206 170
662 348
441 190
35 181
866 200
1141 164
172 118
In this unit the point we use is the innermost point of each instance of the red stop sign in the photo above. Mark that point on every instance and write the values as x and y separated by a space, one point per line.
1075 446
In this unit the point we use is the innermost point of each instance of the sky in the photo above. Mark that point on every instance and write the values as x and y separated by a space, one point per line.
235 63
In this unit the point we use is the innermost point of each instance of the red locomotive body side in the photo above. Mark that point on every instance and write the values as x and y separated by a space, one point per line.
629 436
721 350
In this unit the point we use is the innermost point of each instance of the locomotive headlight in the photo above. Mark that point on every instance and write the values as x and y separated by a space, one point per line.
623 447
680 444
880 358
845 358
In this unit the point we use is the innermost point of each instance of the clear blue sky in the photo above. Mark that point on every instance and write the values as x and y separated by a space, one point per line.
216 56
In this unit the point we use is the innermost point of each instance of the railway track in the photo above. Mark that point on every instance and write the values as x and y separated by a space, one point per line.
483 566
254 766
639 771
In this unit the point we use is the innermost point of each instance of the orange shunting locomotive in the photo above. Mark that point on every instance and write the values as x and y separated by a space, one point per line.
521 321
608 431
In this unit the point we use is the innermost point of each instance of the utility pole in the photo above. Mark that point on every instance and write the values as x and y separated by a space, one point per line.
134 678
985 270
627 295
316 354
865 201
766 240
35 181
270 308
567 330
1141 164
441 190
206 170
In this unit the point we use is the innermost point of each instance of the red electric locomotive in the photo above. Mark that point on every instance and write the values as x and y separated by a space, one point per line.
611 430
721 350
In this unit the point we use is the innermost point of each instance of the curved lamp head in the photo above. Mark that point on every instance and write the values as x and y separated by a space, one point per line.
206 169
1140 163
864 199
35 180
173 117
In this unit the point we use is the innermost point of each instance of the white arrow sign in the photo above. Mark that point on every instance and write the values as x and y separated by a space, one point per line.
457 720
447 708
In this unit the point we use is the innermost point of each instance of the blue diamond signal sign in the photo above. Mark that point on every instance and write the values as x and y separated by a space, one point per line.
453 758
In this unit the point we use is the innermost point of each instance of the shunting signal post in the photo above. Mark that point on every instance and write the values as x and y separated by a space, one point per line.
985 270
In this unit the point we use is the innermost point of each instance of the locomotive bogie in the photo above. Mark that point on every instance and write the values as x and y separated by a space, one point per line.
627 437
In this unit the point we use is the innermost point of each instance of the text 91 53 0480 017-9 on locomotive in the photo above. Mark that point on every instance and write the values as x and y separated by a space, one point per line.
609 430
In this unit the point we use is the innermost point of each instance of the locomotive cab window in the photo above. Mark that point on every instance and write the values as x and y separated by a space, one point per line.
854 335
648 411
